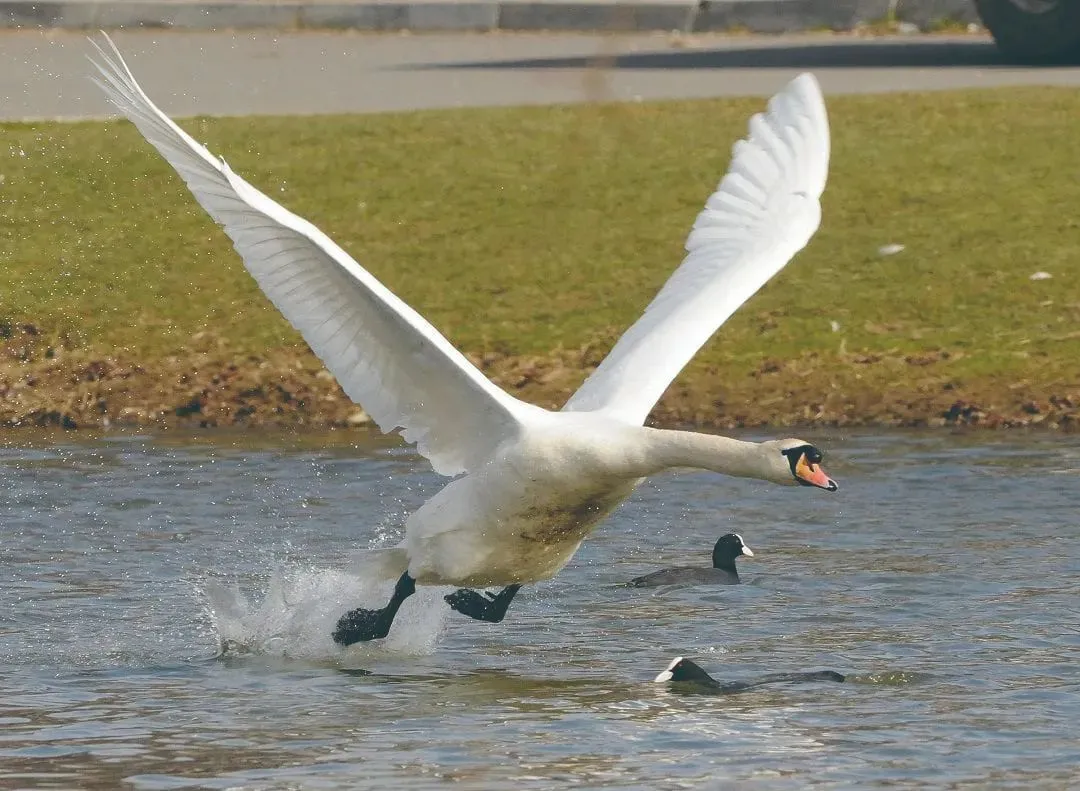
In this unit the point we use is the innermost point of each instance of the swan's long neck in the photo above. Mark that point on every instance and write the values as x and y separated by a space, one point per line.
670 449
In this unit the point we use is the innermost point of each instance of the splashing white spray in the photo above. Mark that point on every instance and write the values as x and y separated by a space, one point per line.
301 606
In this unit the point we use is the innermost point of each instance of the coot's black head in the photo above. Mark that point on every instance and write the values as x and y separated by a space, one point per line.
727 549
684 670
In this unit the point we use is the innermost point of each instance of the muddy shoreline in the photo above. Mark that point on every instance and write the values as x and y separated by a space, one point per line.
43 385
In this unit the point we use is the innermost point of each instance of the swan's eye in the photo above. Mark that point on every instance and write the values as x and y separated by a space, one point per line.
805 453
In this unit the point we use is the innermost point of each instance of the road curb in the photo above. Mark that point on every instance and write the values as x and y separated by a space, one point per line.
755 16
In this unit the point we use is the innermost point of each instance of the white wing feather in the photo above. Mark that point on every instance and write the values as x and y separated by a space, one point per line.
764 211
384 354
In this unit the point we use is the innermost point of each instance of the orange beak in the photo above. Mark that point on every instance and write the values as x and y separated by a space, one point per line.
810 474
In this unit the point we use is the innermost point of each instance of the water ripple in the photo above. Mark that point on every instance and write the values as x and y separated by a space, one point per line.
167 605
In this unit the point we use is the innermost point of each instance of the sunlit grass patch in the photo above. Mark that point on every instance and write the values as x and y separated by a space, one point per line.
528 230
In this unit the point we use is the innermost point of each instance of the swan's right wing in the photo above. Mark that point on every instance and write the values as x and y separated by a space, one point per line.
764 211
384 354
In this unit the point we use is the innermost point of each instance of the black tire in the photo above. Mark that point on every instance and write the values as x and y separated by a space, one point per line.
1046 31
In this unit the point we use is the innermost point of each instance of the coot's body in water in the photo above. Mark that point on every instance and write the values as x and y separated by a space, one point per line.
688 676
723 572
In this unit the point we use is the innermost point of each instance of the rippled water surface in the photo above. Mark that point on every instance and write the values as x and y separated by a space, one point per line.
944 579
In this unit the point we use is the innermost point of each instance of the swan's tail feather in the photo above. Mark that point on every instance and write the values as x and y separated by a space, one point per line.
379 564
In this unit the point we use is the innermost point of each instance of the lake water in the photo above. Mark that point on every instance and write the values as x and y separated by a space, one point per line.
943 578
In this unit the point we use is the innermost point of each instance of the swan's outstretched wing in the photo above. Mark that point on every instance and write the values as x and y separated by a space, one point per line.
764 211
384 354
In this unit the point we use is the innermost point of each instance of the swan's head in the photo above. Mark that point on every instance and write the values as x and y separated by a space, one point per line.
798 462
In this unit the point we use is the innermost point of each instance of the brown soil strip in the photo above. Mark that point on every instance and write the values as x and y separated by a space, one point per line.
208 386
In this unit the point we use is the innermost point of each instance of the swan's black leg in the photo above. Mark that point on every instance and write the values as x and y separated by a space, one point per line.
359 625
490 607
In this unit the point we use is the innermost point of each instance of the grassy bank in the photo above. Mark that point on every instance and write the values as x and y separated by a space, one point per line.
533 237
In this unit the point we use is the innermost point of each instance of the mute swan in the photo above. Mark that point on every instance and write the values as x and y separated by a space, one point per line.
723 571
529 484
690 676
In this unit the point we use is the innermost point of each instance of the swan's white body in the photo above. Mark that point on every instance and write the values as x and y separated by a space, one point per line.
521 516
533 483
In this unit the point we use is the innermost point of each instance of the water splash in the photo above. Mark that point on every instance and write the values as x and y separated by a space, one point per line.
300 608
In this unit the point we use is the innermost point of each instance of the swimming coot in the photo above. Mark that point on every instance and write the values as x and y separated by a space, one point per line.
723 571
690 677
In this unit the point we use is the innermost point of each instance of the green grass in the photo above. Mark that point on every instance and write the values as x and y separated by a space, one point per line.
526 230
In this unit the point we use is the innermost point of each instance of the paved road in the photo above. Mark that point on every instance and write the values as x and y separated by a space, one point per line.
43 75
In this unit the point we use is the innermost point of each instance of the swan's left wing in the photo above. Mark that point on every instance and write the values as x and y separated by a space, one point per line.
384 354
764 211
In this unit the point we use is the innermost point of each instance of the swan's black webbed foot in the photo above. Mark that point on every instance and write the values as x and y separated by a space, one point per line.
490 607
360 625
